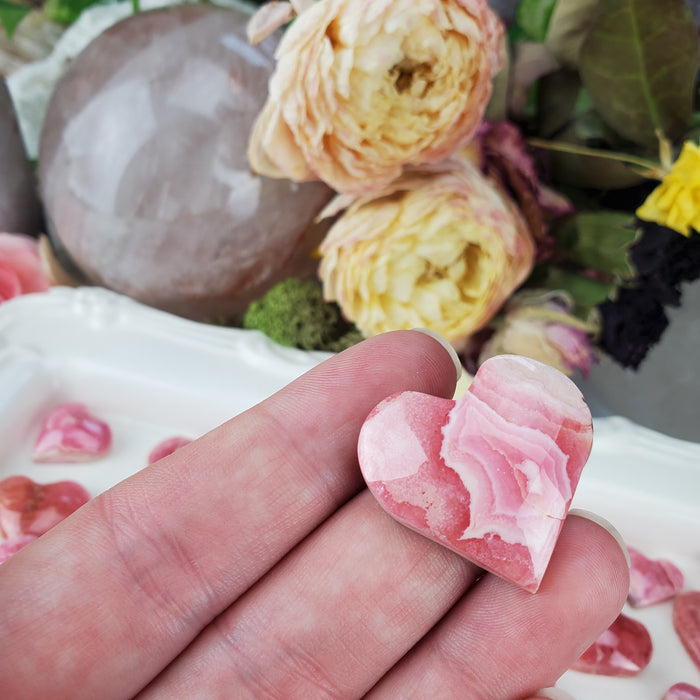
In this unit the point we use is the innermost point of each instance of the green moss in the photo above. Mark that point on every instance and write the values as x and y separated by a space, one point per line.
294 313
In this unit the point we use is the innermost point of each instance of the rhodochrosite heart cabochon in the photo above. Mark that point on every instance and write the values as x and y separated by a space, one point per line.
491 475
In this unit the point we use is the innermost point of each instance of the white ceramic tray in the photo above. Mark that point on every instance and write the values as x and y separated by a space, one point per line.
151 375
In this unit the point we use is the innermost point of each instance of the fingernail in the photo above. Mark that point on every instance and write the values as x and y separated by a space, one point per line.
552 694
445 344
606 525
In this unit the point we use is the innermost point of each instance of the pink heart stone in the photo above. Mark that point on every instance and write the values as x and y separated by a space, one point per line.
624 649
492 475
686 622
167 447
70 433
28 508
682 691
652 581
12 546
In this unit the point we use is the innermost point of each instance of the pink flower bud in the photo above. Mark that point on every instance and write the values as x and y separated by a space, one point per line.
541 327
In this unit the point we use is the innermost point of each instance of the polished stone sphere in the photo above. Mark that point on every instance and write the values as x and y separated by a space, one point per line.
20 211
143 168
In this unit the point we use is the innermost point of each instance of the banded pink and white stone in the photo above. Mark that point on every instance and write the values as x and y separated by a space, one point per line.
652 580
686 622
492 475
70 433
682 691
167 447
30 508
623 650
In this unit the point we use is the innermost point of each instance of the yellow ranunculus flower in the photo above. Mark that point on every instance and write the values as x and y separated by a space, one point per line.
676 201
440 250
364 87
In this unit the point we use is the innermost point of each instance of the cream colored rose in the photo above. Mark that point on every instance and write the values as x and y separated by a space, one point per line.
364 87
440 250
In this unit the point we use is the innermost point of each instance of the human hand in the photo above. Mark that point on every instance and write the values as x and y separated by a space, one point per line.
252 563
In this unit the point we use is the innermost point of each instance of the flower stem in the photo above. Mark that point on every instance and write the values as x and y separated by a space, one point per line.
135 6
642 166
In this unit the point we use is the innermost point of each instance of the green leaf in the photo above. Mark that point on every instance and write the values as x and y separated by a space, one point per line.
693 132
590 171
531 61
67 11
532 17
694 121
599 241
587 293
568 28
11 14
639 63
557 101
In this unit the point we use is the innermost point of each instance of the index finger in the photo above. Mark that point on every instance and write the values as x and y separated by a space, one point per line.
109 597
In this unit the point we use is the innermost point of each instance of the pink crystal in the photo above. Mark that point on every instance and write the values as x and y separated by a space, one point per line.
144 171
70 433
686 622
29 508
167 447
12 546
652 581
682 691
490 476
624 649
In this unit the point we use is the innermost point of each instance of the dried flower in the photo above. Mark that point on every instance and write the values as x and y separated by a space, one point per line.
440 249
663 260
542 327
506 158
364 87
21 271
631 324
676 201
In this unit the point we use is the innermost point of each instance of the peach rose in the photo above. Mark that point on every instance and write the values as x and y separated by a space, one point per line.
364 87
440 249
21 270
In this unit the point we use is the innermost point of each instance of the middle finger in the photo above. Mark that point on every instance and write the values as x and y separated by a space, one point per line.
329 620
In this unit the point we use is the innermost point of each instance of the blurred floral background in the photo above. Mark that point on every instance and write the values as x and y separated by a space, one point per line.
522 177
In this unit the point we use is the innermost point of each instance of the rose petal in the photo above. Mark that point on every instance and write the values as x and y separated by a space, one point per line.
70 433
268 19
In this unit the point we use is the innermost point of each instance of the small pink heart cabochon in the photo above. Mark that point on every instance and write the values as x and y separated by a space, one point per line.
491 475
